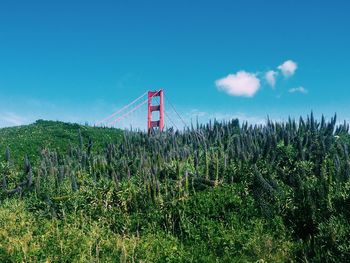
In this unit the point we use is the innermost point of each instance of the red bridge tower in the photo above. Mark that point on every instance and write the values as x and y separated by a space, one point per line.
151 108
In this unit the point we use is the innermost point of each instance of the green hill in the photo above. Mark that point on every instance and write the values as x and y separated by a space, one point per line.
222 192
31 139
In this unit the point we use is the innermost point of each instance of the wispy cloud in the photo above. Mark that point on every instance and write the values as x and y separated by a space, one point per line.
270 77
240 84
11 119
299 90
288 68
197 113
204 117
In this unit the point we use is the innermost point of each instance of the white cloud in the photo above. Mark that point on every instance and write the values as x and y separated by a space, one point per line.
270 77
288 68
240 84
299 90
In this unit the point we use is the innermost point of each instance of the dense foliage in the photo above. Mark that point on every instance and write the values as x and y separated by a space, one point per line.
220 192
31 139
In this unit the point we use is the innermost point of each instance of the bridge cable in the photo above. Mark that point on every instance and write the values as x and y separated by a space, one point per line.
170 119
129 112
120 110
166 113
175 110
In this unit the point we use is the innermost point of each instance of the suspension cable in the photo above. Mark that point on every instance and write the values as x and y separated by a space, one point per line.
175 110
120 110
131 111
170 119
166 113
128 113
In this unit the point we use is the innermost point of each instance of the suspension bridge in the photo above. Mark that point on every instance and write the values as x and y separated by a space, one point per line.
157 117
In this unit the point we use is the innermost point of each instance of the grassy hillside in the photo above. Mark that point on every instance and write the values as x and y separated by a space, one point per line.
223 192
31 139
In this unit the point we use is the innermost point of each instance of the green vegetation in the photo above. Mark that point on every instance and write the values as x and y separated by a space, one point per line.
31 139
220 192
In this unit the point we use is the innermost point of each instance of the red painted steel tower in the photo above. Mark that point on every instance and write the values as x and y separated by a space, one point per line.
151 108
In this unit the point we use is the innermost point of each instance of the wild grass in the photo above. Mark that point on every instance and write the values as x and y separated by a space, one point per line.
220 192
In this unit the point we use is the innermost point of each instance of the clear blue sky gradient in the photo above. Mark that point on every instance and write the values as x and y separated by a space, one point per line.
80 60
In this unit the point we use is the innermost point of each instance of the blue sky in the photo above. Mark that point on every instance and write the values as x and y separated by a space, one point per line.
81 60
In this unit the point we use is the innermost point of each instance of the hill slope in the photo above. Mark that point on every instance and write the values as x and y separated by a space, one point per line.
219 193
31 139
